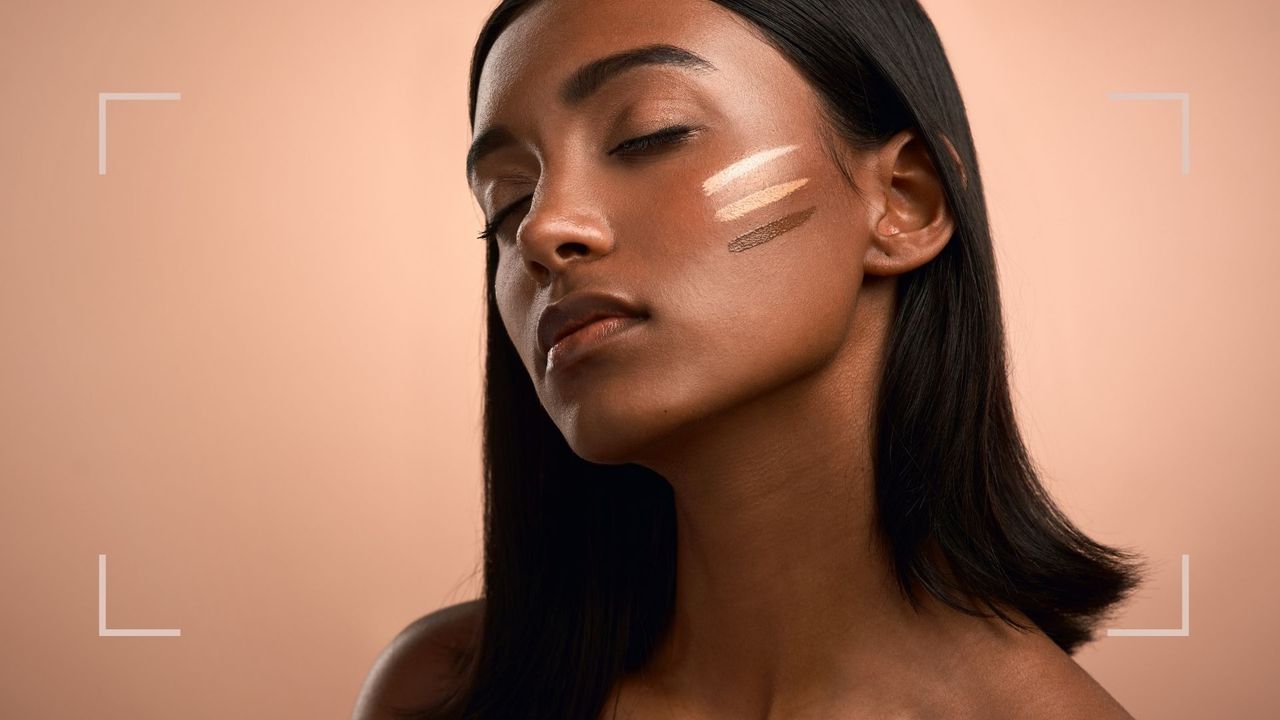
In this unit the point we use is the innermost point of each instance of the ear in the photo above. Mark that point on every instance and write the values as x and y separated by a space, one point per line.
910 220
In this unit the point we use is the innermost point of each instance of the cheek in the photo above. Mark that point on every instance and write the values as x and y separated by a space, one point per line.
791 300
742 322
513 306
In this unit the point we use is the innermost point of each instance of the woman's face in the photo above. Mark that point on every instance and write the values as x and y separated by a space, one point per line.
733 232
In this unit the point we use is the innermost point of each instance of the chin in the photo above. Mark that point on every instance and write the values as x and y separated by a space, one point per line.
612 433
603 442
617 419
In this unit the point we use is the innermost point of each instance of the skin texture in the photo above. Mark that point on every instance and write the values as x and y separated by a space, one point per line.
750 385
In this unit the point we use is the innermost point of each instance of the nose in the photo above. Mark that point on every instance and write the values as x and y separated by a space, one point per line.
564 225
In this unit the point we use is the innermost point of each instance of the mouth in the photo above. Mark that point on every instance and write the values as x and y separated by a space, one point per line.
579 309
586 337
583 324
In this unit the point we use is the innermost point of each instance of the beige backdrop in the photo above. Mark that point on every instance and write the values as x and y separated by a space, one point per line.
244 363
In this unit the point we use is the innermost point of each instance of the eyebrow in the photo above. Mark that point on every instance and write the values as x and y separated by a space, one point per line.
587 80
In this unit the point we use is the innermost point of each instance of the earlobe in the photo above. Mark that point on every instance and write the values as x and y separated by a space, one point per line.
901 241
895 250
888 252
885 260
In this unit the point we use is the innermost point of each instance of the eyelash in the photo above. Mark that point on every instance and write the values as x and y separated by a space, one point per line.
673 135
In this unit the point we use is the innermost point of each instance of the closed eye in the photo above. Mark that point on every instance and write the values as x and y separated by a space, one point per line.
490 231
669 136
673 135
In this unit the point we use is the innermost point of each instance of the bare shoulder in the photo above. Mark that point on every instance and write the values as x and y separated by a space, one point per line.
1048 684
419 664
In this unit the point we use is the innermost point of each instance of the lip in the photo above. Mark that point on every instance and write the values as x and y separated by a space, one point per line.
586 339
578 310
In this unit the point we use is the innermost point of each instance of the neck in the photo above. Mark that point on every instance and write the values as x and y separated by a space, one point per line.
782 583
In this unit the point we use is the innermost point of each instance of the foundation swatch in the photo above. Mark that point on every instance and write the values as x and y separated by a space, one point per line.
718 181
757 200
765 233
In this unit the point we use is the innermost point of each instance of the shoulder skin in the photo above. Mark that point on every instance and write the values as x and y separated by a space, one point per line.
417 667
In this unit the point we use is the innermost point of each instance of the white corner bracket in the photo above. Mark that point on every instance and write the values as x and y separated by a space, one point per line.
103 630
103 97
1183 631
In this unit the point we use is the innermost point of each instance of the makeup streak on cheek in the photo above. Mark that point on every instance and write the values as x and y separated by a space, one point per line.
765 233
757 200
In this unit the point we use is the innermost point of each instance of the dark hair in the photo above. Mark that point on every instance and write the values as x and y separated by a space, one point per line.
579 558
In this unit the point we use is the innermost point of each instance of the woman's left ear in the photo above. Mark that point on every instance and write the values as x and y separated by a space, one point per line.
910 220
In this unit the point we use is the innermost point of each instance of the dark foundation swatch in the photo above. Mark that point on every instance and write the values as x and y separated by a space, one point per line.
768 232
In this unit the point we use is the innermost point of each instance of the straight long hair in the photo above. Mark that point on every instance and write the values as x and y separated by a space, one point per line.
579 558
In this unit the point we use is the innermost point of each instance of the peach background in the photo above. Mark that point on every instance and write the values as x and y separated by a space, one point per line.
245 363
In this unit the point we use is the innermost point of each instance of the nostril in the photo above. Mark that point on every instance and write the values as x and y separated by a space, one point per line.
570 249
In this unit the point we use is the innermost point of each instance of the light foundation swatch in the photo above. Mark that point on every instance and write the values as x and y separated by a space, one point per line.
721 179
757 200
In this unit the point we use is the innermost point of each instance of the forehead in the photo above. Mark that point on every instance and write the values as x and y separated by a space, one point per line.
555 37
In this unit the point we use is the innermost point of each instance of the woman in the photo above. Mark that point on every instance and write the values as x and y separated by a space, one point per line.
749 445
